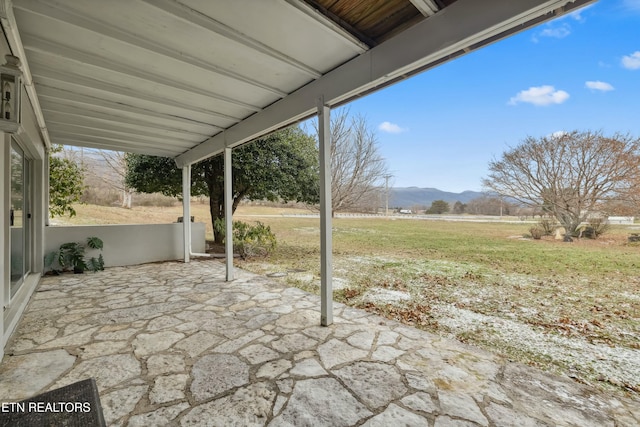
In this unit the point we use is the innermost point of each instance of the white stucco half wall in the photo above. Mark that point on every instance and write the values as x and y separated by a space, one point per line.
130 244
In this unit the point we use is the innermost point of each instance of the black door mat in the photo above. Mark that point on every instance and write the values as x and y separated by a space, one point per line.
75 405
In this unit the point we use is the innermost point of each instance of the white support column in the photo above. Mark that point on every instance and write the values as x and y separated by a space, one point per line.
228 213
326 257
47 173
186 211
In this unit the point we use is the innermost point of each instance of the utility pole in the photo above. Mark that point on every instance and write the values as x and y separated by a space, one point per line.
386 208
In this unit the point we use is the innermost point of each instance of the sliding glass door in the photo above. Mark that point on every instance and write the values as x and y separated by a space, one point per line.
19 217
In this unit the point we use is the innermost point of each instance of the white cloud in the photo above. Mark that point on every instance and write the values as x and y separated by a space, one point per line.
598 85
559 28
540 95
558 32
391 127
577 14
558 134
633 5
631 62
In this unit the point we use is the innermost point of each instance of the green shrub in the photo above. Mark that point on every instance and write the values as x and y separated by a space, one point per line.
548 225
70 256
594 228
249 240
536 232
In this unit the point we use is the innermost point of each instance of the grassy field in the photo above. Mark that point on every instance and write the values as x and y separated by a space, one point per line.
573 308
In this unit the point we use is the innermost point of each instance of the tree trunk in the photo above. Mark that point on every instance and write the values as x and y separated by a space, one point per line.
569 222
216 208
215 186
126 199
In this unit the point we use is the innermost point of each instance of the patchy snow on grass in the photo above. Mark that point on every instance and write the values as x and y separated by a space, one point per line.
630 296
444 268
307 230
495 310
617 365
339 283
353 230
385 296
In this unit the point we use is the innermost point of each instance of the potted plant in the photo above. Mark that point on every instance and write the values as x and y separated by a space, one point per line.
71 256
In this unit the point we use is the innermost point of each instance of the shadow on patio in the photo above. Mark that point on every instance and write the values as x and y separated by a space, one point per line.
173 344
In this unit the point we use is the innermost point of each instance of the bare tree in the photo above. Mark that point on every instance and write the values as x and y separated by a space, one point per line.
114 175
357 169
488 205
569 175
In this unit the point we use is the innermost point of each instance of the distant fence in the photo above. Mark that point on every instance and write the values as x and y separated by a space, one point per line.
621 220
616 220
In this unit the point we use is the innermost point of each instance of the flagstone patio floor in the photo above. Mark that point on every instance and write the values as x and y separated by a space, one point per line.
174 344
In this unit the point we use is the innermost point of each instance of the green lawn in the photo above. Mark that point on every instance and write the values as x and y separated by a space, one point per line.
494 245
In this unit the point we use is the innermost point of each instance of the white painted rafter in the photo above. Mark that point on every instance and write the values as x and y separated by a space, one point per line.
307 11
426 7
52 108
49 77
117 134
65 53
114 145
71 17
192 16
62 117
48 92
12 35
88 135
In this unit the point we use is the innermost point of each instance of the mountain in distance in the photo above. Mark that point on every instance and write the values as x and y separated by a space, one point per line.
407 197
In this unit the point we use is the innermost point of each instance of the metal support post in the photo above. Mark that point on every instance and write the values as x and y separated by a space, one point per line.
186 211
326 258
228 213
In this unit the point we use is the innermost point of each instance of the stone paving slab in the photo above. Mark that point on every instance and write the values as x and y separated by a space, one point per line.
173 344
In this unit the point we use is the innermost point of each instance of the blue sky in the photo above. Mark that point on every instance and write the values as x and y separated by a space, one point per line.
579 72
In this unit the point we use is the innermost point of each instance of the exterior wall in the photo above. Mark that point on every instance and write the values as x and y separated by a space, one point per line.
30 141
131 244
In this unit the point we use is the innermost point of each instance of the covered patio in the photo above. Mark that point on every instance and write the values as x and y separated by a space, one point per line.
176 344
197 342
191 79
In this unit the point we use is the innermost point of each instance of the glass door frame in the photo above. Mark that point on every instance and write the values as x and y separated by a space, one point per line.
24 246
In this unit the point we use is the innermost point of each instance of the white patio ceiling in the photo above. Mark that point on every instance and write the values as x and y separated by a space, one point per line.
186 78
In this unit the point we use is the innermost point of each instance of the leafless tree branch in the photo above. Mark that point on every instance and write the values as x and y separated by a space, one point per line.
570 175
